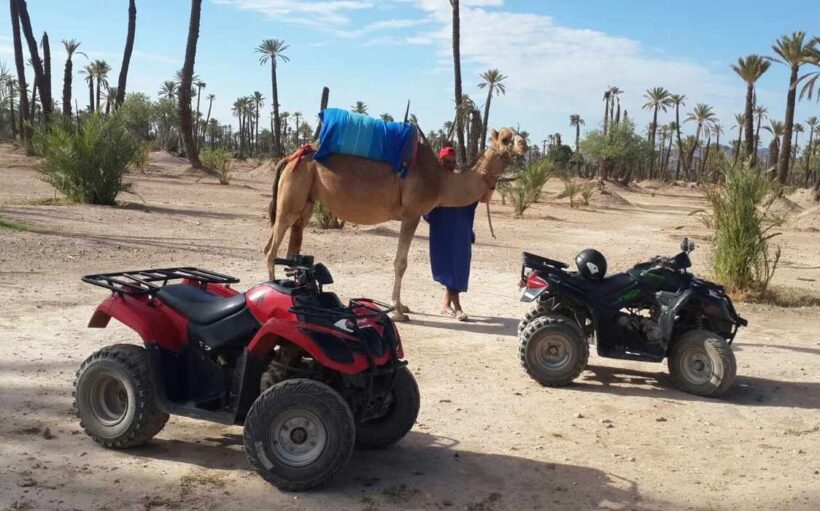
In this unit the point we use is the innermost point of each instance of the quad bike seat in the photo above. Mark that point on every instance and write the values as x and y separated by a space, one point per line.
199 305
605 287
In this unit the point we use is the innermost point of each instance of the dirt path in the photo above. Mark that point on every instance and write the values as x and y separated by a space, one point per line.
487 437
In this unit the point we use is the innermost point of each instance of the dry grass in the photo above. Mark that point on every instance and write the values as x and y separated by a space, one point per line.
780 296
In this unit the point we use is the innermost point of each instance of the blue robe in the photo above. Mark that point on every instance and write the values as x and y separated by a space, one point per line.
451 237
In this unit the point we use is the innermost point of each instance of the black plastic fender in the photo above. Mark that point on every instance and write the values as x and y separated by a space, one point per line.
718 309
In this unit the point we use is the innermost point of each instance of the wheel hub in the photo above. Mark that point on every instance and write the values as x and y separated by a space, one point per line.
108 399
697 367
553 353
298 437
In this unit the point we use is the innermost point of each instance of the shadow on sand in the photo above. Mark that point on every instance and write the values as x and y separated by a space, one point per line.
490 325
747 390
426 470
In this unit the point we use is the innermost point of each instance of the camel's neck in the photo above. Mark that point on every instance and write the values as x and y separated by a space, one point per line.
464 188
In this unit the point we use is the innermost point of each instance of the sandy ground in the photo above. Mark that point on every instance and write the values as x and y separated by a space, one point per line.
487 436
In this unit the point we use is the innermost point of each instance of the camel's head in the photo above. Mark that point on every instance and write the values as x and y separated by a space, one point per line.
507 143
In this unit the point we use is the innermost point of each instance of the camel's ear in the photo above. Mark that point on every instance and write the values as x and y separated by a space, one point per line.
494 135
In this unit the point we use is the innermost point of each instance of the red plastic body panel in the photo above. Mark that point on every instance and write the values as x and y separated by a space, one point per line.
265 303
535 281
154 321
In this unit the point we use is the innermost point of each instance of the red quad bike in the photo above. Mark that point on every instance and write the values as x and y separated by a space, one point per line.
307 376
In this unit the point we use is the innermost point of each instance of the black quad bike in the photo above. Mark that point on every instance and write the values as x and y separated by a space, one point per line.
308 377
655 310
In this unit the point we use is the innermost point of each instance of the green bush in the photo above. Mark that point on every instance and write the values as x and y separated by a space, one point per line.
87 164
586 193
744 261
218 160
526 189
571 189
325 218
140 161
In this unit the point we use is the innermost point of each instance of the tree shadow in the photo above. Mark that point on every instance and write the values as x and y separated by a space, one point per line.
798 349
424 470
195 213
746 391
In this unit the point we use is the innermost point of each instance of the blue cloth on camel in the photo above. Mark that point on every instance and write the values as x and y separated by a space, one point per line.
451 237
346 132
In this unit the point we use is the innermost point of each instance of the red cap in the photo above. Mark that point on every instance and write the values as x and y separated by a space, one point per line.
446 151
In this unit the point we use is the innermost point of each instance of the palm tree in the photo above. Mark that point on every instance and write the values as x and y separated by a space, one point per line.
258 100
241 108
678 100
607 98
798 129
739 122
359 108
270 50
101 70
808 87
462 150
493 81
386 117
657 99
616 93
750 69
168 90
673 128
793 51
21 11
576 122
110 99
186 85
760 112
811 122
71 46
126 56
777 129
88 71
702 114
25 129
211 98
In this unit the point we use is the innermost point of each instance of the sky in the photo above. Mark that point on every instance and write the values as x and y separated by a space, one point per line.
559 56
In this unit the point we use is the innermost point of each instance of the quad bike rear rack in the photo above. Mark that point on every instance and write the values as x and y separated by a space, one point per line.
145 282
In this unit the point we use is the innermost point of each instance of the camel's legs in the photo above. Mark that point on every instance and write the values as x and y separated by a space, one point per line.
296 230
283 222
408 229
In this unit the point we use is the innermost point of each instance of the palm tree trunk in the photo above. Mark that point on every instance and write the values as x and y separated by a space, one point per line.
67 88
97 102
11 111
277 122
703 164
788 125
196 119
36 63
808 152
668 154
794 152
680 146
25 128
692 152
749 118
757 139
207 119
126 56
256 149
45 87
577 137
33 103
737 149
91 96
462 150
485 124
652 139
606 115
185 121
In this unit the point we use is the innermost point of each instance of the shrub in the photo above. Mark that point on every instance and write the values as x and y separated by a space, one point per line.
571 189
140 161
586 193
744 260
218 160
325 218
87 163
527 187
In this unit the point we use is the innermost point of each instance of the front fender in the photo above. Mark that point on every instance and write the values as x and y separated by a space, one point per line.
325 346
153 321
717 309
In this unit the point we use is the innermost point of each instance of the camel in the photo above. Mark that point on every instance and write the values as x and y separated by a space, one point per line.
368 192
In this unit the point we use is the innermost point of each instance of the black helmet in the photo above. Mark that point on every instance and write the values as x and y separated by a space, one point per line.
591 264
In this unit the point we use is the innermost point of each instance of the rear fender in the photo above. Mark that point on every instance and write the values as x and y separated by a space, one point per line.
155 322
326 346
536 285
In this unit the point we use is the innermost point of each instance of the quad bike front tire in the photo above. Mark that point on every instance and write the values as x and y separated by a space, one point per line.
298 434
553 350
702 363
398 420
114 397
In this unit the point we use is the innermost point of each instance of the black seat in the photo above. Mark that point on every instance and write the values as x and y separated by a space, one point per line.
199 305
605 287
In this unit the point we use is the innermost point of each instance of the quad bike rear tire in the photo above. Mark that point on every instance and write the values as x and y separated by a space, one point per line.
553 350
114 397
702 363
399 418
537 311
298 434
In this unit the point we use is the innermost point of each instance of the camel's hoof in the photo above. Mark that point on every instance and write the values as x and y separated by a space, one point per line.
399 317
403 309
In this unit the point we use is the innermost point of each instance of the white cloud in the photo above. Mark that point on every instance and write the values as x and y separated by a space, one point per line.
302 12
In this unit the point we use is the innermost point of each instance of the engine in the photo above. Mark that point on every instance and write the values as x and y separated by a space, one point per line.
647 326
